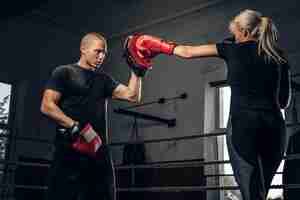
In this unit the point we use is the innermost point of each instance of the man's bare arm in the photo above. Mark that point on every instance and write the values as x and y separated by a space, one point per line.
132 92
49 107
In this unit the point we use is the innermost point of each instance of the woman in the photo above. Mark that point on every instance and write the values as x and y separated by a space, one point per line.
258 75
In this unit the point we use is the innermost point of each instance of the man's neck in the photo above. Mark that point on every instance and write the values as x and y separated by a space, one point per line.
84 65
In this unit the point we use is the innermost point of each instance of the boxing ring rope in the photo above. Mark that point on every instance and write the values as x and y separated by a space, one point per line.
145 141
163 164
160 164
170 139
161 189
141 141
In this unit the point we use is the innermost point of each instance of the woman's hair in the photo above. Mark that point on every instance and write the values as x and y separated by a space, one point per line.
263 29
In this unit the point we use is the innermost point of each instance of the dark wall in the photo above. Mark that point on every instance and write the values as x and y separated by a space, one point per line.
31 46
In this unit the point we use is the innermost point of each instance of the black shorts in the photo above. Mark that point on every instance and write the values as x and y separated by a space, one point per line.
77 176
256 142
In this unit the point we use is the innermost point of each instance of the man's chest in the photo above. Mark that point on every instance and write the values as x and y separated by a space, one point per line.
86 84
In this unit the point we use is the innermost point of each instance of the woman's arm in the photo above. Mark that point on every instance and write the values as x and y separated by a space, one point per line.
188 52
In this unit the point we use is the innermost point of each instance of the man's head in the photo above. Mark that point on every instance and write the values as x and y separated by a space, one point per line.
93 49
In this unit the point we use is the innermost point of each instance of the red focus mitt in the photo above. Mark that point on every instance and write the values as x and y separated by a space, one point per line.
140 49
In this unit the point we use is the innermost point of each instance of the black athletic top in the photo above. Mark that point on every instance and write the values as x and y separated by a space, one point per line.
254 81
84 93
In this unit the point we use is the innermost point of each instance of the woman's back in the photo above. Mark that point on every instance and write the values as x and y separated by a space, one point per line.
252 78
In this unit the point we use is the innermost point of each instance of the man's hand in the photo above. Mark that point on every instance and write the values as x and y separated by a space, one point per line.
72 133
83 138
137 63
88 141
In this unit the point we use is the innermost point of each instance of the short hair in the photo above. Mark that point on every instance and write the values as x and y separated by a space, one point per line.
89 37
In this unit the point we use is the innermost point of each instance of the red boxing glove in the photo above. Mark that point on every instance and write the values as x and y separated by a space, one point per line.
89 141
150 46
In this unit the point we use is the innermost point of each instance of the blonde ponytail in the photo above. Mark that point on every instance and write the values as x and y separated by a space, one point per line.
268 36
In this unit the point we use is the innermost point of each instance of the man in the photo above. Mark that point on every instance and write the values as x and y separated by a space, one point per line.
75 98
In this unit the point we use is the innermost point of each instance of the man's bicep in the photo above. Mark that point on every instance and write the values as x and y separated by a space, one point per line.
120 92
110 85
51 96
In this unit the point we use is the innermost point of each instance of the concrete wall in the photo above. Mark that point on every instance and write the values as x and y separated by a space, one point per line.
32 47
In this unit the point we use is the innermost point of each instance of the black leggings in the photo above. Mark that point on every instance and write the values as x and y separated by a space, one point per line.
256 143
74 176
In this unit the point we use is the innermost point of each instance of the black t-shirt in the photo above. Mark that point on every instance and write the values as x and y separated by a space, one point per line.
254 81
84 94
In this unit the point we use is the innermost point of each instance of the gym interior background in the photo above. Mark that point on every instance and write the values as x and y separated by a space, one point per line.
38 36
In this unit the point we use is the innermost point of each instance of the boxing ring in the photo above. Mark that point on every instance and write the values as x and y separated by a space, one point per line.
9 186
7 189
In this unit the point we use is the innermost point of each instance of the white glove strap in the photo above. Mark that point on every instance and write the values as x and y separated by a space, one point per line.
88 133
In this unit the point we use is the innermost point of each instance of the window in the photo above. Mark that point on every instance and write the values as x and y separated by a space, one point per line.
5 94
224 94
223 110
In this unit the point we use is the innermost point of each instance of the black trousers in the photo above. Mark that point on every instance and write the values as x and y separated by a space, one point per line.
75 176
256 143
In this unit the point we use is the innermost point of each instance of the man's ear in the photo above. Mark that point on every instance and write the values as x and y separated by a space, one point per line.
82 49
246 33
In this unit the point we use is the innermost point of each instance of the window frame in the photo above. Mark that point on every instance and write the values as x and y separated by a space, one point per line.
217 85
